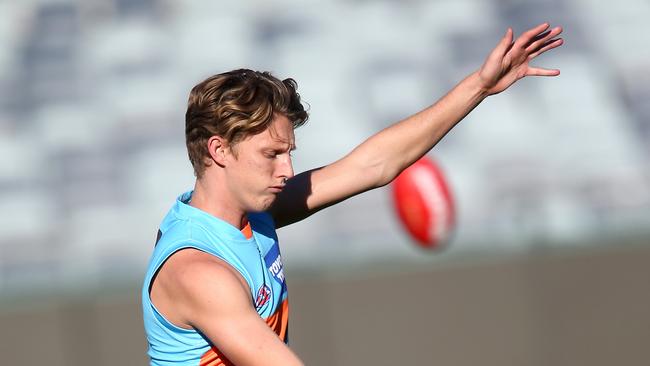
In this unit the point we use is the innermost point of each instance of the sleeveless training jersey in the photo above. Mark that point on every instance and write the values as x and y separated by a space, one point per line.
256 258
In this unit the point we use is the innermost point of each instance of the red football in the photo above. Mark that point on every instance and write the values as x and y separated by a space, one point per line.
424 203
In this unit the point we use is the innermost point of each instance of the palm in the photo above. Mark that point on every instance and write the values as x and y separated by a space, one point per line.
510 61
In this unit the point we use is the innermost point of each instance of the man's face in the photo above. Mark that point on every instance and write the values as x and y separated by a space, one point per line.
260 164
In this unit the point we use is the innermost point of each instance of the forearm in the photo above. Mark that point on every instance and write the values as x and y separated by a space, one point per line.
393 149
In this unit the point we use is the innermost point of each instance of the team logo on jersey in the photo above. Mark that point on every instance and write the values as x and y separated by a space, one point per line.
263 296
273 262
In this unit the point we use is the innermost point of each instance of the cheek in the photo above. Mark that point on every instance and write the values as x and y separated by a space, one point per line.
260 165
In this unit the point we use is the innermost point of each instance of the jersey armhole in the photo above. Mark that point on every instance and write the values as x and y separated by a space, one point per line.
160 318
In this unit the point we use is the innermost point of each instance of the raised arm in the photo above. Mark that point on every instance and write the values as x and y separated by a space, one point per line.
378 160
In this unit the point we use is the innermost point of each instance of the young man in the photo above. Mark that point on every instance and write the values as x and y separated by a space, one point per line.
214 292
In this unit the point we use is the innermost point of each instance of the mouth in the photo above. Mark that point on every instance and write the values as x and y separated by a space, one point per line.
276 189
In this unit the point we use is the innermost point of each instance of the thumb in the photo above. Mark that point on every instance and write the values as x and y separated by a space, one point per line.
504 44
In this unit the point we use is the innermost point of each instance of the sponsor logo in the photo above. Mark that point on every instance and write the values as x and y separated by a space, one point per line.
273 262
263 296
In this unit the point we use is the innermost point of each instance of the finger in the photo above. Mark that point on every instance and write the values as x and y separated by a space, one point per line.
538 71
527 36
547 46
541 39
504 43
539 36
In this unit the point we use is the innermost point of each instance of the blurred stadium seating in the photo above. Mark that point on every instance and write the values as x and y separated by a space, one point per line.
94 94
92 118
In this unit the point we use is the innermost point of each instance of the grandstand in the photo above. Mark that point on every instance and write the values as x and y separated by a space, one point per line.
92 151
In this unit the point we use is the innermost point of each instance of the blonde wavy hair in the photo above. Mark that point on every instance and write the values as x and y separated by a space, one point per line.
234 105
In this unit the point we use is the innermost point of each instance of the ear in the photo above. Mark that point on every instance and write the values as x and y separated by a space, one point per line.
218 149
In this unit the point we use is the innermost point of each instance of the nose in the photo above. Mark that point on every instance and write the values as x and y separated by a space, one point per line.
286 167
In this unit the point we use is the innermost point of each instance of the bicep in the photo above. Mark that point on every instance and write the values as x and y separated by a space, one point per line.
222 310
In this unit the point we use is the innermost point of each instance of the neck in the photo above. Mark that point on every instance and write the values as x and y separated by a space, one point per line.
215 201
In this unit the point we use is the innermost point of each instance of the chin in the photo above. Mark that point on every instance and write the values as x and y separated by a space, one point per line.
262 205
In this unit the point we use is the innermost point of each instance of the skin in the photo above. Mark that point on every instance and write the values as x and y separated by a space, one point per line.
196 290
246 177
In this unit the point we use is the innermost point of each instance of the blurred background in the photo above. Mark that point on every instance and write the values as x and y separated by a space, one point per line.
549 261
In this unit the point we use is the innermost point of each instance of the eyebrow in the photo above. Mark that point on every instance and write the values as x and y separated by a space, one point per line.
292 147
292 144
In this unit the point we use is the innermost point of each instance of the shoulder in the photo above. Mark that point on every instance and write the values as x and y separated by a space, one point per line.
197 283
193 270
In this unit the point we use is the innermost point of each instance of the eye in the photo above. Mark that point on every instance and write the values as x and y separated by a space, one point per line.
270 154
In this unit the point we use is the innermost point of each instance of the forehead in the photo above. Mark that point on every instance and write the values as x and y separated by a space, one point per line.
280 132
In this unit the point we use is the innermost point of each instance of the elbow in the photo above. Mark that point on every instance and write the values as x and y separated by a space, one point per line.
381 174
387 172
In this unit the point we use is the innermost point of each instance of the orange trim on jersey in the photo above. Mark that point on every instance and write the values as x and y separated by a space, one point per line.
278 322
247 231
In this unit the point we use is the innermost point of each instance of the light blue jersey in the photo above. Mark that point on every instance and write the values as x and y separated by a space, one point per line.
257 258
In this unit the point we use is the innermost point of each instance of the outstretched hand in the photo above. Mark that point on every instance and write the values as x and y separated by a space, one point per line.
510 61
